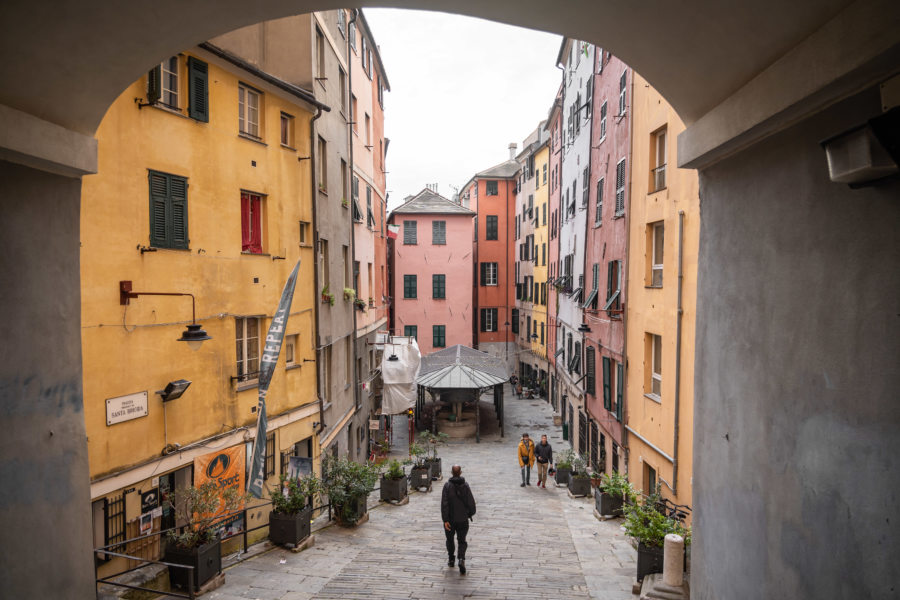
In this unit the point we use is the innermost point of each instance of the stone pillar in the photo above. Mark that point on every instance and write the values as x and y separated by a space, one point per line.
673 560
45 499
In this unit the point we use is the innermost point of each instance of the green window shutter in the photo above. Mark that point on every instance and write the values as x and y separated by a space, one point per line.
589 369
198 90
620 381
154 85
159 192
178 198
606 399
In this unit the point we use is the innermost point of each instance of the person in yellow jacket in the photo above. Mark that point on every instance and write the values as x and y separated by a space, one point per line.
526 458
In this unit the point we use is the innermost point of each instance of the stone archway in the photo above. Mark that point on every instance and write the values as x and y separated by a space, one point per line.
740 75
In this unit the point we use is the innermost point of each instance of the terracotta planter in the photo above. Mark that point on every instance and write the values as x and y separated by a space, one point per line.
206 560
289 529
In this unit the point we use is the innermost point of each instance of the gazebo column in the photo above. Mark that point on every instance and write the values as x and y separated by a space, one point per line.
476 392
498 403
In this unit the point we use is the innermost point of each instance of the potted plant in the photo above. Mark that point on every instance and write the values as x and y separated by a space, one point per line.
344 203
197 544
371 302
360 304
564 466
420 474
349 294
649 528
289 521
596 479
579 479
614 490
348 484
327 296
381 446
393 482
432 441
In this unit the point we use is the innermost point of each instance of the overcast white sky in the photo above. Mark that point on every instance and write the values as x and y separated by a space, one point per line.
462 89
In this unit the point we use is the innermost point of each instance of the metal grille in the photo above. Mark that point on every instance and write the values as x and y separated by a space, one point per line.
582 433
114 513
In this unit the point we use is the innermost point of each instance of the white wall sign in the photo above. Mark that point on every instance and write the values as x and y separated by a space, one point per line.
125 408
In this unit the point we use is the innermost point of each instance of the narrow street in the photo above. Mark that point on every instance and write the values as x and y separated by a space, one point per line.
524 542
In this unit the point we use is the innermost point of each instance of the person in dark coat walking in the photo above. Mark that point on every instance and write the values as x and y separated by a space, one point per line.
457 508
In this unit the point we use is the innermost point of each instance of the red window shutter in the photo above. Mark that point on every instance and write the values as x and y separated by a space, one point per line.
255 225
245 222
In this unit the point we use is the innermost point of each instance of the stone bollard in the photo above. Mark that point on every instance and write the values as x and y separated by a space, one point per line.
673 560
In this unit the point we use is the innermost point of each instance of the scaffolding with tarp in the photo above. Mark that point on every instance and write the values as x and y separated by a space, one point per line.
454 376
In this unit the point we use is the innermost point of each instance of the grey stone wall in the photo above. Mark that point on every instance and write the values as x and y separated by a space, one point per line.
796 415
45 501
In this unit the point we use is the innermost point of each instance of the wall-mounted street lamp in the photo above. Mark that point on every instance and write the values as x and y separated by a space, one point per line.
534 337
193 335
174 389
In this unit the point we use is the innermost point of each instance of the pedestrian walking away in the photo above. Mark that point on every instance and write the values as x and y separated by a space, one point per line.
543 455
457 509
526 458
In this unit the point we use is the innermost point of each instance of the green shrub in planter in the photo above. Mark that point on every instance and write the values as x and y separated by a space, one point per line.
650 527
431 442
580 479
348 485
289 521
196 544
564 461
613 492
393 482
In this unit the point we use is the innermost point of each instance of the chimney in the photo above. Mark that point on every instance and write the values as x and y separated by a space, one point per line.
512 151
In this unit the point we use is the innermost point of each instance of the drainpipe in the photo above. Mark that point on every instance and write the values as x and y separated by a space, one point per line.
674 485
352 224
315 227
625 450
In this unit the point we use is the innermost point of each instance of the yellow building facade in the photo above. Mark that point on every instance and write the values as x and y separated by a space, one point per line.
542 249
203 188
664 234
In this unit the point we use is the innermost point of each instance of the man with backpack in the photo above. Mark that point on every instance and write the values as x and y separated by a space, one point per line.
457 509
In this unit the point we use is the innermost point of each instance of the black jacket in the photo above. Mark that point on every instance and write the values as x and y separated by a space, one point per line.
457 502
543 454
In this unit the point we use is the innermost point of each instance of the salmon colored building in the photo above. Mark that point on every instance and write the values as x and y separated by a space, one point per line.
431 271
491 194
604 258
554 125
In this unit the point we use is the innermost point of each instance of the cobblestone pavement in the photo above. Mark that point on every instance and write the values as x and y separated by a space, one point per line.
524 542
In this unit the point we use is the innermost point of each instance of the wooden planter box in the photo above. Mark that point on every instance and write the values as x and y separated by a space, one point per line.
289 529
562 476
358 510
206 560
420 477
580 486
606 504
393 489
435 464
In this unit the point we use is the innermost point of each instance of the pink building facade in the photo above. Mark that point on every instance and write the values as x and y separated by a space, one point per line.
604 257
431 272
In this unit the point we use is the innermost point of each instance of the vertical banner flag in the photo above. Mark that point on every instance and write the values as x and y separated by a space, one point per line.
393 231
271 350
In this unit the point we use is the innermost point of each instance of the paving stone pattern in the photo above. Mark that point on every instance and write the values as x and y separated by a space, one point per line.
524 542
